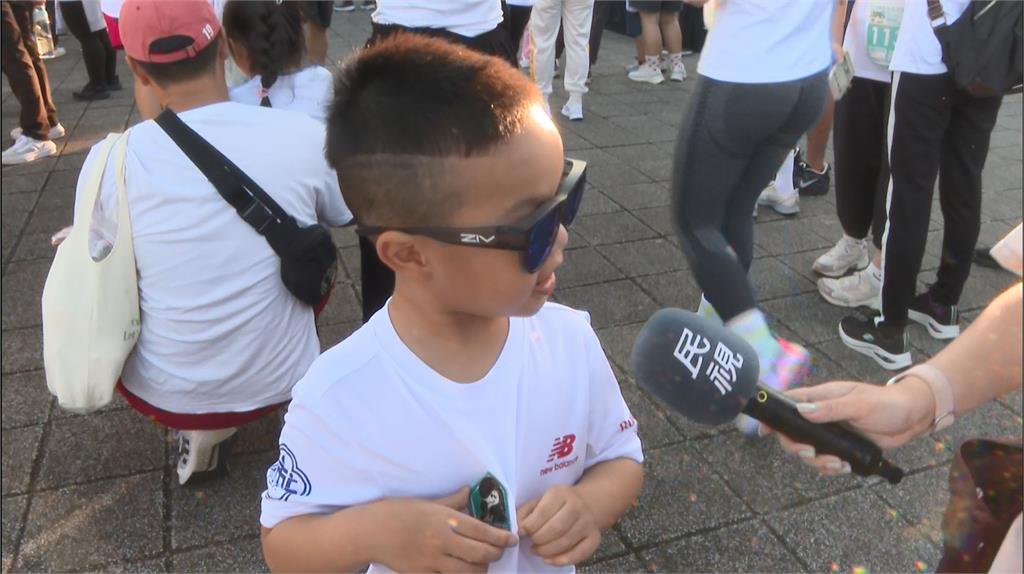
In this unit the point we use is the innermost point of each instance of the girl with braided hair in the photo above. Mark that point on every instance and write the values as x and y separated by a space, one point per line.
266 43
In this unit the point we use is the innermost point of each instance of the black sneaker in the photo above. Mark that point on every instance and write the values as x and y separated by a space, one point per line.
114 85
344 6
886 345
810 182
91 92
941 321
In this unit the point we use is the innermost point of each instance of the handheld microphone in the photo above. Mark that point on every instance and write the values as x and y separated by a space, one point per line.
709 374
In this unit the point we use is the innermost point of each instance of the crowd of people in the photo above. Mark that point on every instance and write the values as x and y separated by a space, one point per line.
443 154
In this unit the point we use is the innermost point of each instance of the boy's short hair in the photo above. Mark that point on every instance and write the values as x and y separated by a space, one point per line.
186 69
404 106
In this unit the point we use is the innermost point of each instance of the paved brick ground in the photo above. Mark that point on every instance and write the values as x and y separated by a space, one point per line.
87 493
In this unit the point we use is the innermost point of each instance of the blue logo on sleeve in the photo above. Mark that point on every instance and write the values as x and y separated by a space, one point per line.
285 478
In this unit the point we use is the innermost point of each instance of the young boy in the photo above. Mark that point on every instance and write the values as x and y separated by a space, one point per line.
450 164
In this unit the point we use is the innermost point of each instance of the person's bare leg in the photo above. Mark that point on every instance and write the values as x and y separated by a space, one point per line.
817 138
671 34
651 33
316 44
639 42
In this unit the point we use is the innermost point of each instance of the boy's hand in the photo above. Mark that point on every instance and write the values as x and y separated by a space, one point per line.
561 525
435 536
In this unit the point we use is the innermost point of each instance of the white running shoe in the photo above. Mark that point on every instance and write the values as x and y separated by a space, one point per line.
678 72
649 74
26 149
573 110
573 107
770 197
200 451
55 133
863 288
847 255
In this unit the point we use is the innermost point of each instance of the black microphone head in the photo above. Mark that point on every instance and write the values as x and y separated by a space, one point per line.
702 370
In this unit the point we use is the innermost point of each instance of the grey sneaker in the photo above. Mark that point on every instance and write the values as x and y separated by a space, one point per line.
848 254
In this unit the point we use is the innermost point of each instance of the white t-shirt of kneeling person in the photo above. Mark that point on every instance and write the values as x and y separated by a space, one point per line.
220 331
371 420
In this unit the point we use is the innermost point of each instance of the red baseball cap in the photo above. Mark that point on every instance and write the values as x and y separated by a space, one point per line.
164 31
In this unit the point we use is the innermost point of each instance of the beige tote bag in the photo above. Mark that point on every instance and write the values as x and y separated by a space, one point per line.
91 308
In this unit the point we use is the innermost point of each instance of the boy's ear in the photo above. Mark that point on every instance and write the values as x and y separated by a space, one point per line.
402 252
138 72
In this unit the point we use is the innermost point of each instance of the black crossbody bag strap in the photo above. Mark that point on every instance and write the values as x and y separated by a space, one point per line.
252 203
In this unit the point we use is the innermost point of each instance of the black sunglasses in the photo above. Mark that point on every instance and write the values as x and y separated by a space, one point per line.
534 236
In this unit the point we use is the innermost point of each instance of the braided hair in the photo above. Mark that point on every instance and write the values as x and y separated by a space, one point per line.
271 33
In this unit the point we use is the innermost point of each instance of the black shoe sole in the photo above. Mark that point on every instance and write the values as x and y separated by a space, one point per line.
814 190
90 97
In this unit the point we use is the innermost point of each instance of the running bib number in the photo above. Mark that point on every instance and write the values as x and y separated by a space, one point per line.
884 17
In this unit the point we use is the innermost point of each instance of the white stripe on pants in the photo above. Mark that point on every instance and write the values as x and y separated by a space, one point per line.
888 193
575 16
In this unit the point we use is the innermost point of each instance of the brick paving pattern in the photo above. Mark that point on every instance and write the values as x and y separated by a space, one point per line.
97 492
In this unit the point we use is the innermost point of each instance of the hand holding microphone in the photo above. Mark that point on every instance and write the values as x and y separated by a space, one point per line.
709 374
888 416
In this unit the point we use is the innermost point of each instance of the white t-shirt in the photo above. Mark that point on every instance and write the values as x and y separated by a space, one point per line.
917 49
856 41
220 332
768 41
371 420
307 90
464 17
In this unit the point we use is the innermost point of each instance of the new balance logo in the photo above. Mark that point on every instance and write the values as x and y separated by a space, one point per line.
476 239
562 447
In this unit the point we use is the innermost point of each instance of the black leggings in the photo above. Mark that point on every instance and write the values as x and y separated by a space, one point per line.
100 57
733 139
861 162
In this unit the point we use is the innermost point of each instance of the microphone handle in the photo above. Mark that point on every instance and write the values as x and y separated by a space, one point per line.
779 412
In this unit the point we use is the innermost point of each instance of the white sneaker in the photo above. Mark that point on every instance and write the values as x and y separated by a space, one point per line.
55 133
26 149
862 289
649 74
57 52
789 205
199 451
573 109
547 106
847 255
678 72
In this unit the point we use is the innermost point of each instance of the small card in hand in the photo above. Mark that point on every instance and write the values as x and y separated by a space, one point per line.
488 502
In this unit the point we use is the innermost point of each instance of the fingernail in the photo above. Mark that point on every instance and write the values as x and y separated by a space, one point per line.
834 465
846 468
806 452
806 407
515 541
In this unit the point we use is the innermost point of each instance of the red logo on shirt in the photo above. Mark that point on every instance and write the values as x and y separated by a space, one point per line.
562 447
627 424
